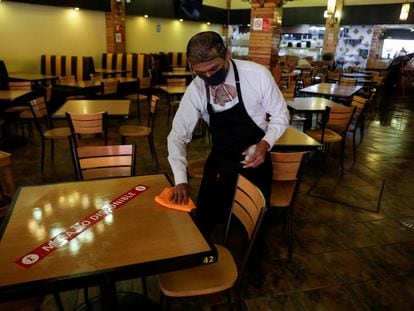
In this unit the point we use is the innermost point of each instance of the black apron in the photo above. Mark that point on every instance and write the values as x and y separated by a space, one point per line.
232 131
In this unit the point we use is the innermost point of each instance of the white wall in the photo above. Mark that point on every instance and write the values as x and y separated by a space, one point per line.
152 35
28 31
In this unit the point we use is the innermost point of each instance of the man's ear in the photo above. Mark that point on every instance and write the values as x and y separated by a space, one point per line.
228 54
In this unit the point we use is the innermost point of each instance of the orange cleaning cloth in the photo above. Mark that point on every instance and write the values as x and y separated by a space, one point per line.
164 199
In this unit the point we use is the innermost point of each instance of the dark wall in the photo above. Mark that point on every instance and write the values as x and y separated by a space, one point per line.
96 5
351 15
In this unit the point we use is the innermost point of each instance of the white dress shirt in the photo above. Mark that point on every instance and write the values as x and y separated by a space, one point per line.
261 98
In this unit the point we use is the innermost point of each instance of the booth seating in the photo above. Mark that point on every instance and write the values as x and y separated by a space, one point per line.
61 65
137 65
177 59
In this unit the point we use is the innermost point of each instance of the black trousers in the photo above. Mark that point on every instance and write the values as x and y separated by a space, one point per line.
218 186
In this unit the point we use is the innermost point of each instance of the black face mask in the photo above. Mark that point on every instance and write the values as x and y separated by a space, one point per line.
217 78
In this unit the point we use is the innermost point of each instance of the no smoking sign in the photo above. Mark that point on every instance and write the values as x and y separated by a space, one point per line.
261 24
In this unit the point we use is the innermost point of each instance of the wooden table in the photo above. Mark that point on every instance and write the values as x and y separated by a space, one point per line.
138 238
107 73
177 73
173 90
309 106
331 90
32 77
295 140
357 75
114 107
10 95
91 86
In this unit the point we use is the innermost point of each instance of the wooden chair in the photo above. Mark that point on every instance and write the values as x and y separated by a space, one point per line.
143 130
45 127
109 89
346 81
97 162
88 128
332 76
142 94
26 116
18 85
358 120
223 275
287 176
338 118
174 101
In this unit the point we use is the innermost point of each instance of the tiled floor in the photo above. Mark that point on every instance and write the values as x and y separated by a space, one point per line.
347 256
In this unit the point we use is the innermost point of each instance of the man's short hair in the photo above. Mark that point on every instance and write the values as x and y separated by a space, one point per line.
205 46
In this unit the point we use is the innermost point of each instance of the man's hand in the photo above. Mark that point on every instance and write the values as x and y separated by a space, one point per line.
258 155
181 193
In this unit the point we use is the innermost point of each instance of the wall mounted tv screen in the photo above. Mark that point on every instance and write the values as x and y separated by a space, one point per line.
189 9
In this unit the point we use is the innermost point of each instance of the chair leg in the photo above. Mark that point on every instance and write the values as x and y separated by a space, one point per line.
290 232
153 151
52 151
42 161
144 286
123 140
58 301
342 155
354 144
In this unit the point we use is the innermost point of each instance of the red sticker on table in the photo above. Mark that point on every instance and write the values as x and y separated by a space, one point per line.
73 231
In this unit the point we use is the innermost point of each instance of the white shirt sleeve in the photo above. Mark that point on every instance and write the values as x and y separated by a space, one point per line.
188 113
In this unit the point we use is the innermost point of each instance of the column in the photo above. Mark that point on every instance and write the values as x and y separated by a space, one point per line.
332 25
265 25
374 47
115 27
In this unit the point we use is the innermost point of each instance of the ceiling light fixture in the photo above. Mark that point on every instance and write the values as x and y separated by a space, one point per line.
405 10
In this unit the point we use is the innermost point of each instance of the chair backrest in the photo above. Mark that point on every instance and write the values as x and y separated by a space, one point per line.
153 112
96 162
20 85
40 114
337 118
88 124
145 82
286 165
287 175
109 87
333 75
345 81
249 206
359 103
175 81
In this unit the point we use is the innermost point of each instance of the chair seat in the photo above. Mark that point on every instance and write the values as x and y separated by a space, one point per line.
56 133
330 136
134 130
26 114
201 280
17 109
282 191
